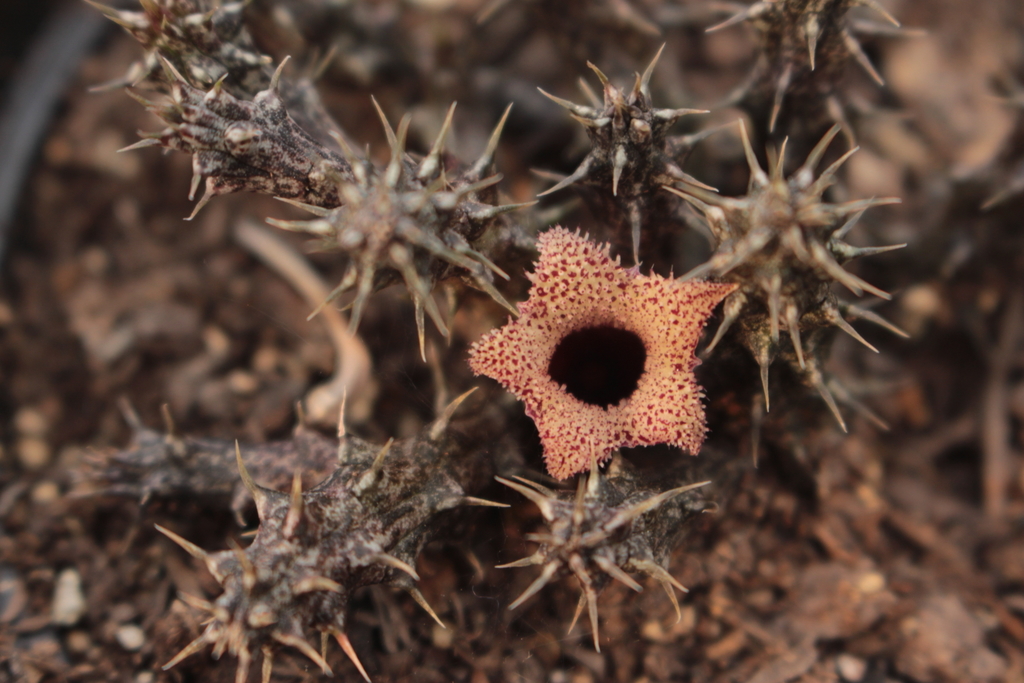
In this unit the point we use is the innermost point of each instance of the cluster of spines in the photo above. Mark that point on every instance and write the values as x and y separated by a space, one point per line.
632 155
244 146
412 220
805 44
415 221
784 247
208 41
364 525
609 528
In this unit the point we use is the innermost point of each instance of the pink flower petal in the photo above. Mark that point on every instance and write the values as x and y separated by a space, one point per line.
577 286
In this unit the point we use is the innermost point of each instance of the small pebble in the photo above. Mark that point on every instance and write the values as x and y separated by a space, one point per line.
872 582
68 599
919 304
96 261
442 637
851 669
131 637
653 631
33 453
243 383
30 422
216 341
45 492
145 677
265 360
78 642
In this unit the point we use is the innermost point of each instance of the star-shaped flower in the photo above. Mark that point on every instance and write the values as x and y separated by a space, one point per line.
603 357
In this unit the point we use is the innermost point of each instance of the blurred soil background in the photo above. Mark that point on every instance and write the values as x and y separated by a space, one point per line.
873 557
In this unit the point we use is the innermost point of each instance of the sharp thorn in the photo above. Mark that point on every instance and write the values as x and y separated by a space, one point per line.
545 576
141 144
645 80
189 547
346 645
757 175
579 610
441 423
300 644
189 650
395 563
614 571
540 500
422 602
536 558
275 80
482 502
316 583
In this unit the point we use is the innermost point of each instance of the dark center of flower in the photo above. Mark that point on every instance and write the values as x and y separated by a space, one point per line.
599 365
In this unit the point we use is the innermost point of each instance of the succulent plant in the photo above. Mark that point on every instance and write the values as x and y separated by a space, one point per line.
363 525
208 43
610 527
245 146
205 40
783 247
418 221
170 465
632 155
804 47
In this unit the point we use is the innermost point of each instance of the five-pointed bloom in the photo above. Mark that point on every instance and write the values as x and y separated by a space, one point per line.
603 357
